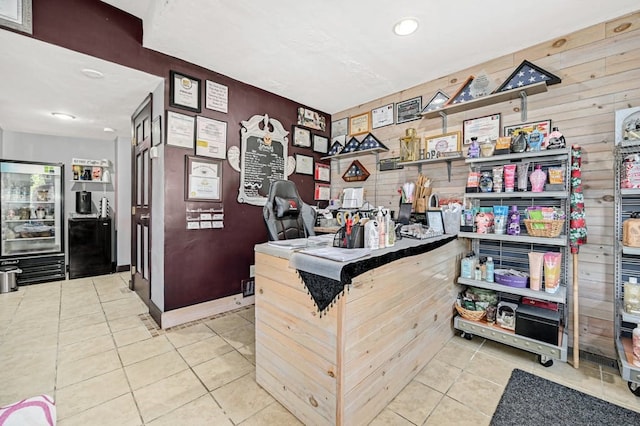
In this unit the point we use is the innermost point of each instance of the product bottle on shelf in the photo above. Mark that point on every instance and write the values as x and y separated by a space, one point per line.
513 224
490 269
636 346
538 178
556 139
632 296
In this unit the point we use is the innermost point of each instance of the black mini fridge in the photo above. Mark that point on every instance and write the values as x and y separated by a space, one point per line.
89 247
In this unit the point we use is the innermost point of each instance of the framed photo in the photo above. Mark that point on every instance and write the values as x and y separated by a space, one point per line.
434 220
156 131
203 179
481 128
304 164
436 146
543 126
320 144
211 137
301 137
17 15
180 130
409 110
322 192
340 127
311 119
184 91
382 116
627 125
359 124
437 102
322 172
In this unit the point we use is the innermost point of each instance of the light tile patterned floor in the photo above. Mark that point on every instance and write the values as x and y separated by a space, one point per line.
90 344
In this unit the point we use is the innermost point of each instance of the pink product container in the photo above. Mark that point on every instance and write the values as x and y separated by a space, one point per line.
502 276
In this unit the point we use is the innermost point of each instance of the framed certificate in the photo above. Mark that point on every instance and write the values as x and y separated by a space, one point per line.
322 172
184 91
216 96
211 137
382 116
322 192
437 145
487 127
203 179
409 110
320 144
304 164
340 127
301 137
360 124
180 130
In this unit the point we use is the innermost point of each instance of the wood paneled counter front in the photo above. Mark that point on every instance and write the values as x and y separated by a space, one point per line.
344 367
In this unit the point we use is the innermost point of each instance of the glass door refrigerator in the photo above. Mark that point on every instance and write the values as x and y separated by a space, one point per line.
31 210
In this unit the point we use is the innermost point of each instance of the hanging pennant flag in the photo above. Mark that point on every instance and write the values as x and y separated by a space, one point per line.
527 74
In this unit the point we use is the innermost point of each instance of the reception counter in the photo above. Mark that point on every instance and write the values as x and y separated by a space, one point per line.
341 364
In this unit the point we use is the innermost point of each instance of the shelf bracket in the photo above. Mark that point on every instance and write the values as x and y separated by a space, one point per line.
444 121
523 106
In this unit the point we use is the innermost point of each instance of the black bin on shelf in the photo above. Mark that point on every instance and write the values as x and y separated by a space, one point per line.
538 323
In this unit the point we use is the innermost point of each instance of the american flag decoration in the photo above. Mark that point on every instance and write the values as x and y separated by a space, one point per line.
527 74
336 148
355 172
463 94
370 142
351 146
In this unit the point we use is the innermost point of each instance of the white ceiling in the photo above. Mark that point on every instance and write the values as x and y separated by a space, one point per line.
330 55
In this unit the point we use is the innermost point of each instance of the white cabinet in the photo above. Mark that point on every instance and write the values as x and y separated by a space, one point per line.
627 264
511 252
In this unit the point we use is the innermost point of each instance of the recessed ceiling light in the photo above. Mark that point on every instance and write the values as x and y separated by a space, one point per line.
109 129
91 73
63 116
405 26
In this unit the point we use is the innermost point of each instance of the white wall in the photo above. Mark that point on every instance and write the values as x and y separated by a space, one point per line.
157 206
122 182
59 149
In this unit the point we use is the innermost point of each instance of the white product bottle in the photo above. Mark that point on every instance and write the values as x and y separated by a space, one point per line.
381 228
636 346
490 269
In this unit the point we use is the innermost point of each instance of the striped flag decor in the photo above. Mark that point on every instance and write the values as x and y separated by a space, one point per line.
370 142
336 148
527 74
463 94
351 146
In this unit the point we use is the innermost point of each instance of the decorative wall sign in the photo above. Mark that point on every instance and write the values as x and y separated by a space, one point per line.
320 144
437 101
216 96
481 85
370 142
390 164
526 74
355 172
408 110
340 127
301 137
263 158
481 128
543 126
382 116
311 119
184 91
463 94
359 124
17 14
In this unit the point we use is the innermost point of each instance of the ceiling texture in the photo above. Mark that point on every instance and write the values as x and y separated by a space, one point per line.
330 55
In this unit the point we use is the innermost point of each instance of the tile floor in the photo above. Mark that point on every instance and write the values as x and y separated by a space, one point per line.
88 343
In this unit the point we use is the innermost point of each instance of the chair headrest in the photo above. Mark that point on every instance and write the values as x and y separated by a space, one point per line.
286 207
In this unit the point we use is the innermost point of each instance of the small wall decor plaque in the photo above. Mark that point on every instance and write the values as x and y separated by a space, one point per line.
355 172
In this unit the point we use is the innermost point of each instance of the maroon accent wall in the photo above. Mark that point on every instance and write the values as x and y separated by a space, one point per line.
199 265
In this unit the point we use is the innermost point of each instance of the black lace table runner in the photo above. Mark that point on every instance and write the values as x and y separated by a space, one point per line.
325 291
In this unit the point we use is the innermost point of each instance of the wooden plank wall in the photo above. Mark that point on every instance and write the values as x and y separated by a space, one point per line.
600 72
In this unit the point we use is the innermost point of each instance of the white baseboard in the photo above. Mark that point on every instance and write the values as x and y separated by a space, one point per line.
205 309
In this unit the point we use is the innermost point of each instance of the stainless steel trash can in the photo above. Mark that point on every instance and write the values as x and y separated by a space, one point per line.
8 278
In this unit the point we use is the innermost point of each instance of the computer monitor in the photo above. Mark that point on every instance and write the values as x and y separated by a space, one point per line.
404 216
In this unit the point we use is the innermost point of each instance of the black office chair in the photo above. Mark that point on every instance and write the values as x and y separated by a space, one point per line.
285 214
